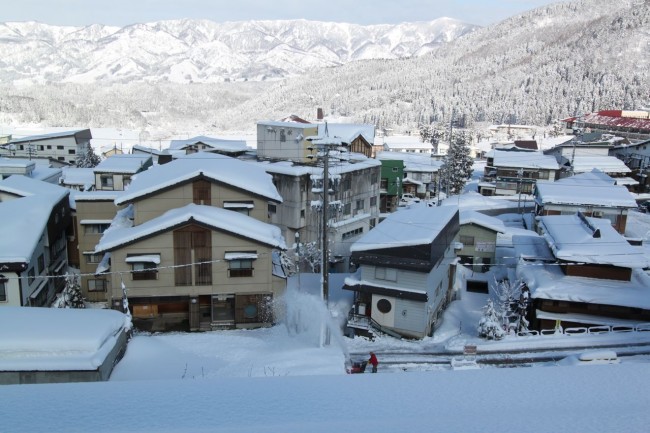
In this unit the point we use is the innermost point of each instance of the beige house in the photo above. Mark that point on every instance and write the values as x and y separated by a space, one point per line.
192 246
95 211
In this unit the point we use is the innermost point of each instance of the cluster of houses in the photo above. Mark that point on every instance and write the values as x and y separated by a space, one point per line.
197 236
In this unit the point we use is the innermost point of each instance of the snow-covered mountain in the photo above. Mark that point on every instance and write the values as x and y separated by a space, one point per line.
553 62
191 51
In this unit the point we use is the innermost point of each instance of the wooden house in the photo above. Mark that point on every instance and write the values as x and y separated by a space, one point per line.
594 194
593 276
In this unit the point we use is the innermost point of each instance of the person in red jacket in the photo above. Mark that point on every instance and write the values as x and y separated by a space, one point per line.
373 361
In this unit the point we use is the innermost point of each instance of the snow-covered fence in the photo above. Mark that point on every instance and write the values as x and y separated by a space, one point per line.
601 329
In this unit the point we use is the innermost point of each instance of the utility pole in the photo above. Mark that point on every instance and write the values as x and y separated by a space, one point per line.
520 175
324 144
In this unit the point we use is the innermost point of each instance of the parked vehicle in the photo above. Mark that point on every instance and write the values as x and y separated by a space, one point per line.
644 206
596 357
408 198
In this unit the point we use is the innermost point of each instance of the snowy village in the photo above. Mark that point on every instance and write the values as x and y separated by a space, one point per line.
478 264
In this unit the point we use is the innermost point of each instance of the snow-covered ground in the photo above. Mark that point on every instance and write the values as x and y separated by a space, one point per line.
281 380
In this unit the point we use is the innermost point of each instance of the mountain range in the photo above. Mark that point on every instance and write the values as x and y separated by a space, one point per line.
191 51
556 61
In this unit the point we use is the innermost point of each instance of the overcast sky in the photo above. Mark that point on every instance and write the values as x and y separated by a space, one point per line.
125 12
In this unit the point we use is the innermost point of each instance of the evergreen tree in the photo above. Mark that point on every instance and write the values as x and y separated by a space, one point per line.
490 324
88 159
457 167
426 134
71 296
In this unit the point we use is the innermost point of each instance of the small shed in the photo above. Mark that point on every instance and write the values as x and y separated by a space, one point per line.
55 345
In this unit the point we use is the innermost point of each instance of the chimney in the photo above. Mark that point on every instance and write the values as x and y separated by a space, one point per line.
319 113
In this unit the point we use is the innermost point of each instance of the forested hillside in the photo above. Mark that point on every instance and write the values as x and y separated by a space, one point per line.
546 64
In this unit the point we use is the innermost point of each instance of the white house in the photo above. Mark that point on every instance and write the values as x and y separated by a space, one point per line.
63 146
33 250
406 272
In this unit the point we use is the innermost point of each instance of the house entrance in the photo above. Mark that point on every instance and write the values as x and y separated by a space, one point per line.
223 310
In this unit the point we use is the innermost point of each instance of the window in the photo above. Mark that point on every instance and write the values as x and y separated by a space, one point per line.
395 169
40 147
384 306
352 233
192 250
21 147
59 147
302 213
96 285
202 192
243 207
144 271
347 209
41 264
3 288
283 136
240 264
240 268
93 258
49 147
272 208
384 184
106 180
347 184
60 158
388 274
90 229
467 240
360 204
373 201
71 152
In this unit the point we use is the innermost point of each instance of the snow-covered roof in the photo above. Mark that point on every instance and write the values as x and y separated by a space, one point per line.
348 132
219 168
547 281
416 225
480 219
585 190
28 218
608 164
138 148
590 240
550 142
211 216
52 135
413 162
96 195
503 158
25 186
23 164
588 178
124 163
354 162
405 142
277 123
215 143
83 177
55 339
